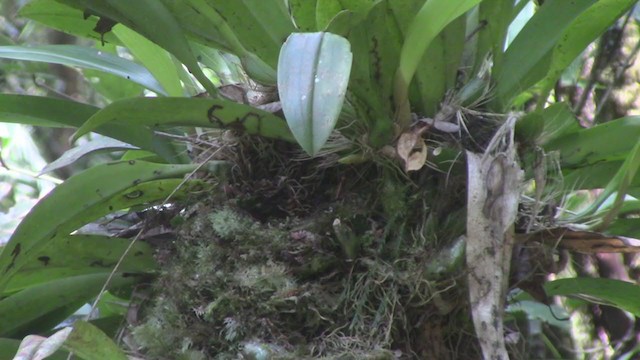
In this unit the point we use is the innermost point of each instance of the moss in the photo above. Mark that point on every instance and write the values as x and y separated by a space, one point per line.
237 287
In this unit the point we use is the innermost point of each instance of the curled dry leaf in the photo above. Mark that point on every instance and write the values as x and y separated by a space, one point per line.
412 150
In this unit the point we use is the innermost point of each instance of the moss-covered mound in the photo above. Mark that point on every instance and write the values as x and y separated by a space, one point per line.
288 259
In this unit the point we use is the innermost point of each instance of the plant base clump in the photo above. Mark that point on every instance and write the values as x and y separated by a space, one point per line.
353 275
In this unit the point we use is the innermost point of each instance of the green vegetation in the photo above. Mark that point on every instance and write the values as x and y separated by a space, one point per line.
353 179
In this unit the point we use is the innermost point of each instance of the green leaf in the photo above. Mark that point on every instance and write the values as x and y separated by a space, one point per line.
593 145
143 16
376 49
90 343
437 72
43 111
427 24
75 255
84 57
73 203
312 87
201 112
64 18
261 26
578 35
101 144
621 294
618 184
527 58
26 311
304 14
153 57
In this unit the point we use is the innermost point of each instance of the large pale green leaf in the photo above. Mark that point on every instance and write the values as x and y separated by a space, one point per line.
578 35
527 58
84 57
427 24
312 88
40 307
75 255
73 204
201 112
612 292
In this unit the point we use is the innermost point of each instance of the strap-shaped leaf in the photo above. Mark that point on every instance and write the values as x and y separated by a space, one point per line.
178 111
74 203
312 87
84 57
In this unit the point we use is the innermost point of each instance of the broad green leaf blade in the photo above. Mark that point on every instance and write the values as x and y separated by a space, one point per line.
594 145
304 14
621 294
494 17
427 24
214 21
153 57
371 79
90 343
527 58
143 16
155 112
75 255
64 209
84 57
327 10
437 72
65 18
50 112
619 184
261 26
95 145
579 34
54 301
312 87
